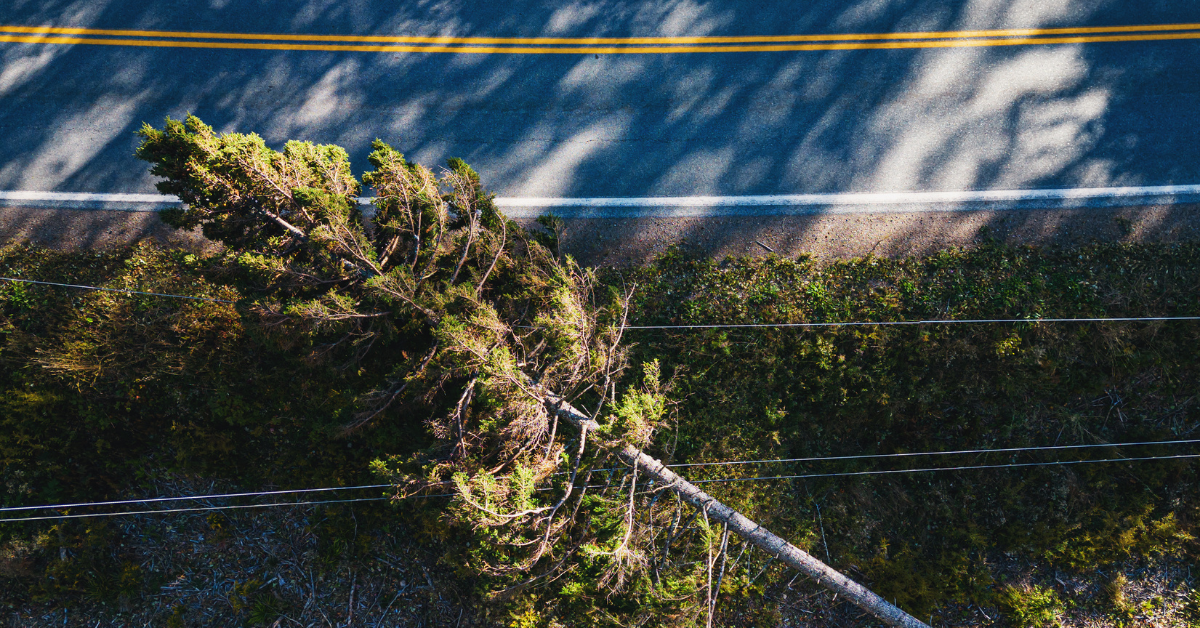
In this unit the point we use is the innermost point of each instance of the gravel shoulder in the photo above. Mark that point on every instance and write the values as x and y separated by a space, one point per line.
75 229
894 235
605 241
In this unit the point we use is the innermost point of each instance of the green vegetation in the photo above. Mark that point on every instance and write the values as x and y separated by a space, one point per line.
1034 606
926 537
497 326
104 391
102 395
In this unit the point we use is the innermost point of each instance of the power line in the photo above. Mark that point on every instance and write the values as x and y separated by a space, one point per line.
82 287
238 507
194 497
924 322
917 453
177 510
1127 319
931 469
694 464
708 481
934 453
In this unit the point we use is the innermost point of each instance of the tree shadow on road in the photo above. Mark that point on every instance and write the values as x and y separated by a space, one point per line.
583 125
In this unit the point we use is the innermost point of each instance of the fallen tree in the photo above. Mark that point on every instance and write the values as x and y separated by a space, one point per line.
772 544
506 340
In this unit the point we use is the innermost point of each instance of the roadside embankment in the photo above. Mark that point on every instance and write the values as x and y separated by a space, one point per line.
75 229
893 235
609 241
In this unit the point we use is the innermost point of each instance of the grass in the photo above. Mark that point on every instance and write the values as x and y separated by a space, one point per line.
926 539
102 393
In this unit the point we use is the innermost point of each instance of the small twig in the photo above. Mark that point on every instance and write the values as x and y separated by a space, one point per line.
821 522
472 226
550 441
428 580
677 530
503 243
365 418
764 246
350 604
389 606
566 493
460 411
720 576
708 600
738 560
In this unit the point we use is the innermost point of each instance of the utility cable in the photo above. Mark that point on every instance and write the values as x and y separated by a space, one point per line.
709 481
1127 319
924 322
915 454
81 287
934 453
194 497
931 469
674 466
177 510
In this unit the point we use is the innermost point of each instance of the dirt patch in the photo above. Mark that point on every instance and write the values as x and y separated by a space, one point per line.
612 241
74 229
257 566
607 241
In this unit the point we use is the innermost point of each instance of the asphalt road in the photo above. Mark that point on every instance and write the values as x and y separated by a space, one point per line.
954 111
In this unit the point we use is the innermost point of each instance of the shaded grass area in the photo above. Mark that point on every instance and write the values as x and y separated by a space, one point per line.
927 538
102 393
107 396
101 386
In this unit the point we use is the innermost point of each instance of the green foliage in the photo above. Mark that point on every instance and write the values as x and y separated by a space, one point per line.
440 270
98 388
226 179
177 617
551 238
640 411
925 538
90 406
1191 608
264 609
528 619
1031 606
1114 591
1114 537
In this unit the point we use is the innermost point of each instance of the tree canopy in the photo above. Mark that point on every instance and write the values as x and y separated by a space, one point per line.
499 328
511 340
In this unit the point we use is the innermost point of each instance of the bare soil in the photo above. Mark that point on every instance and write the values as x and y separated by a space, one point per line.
894 235
603 241
74 229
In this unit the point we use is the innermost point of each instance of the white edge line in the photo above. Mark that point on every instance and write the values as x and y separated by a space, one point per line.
854 198
85 197
698 206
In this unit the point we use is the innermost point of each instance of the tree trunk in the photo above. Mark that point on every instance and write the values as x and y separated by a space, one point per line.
747 529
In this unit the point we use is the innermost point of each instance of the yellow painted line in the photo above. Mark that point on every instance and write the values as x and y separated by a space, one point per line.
898 45
592 41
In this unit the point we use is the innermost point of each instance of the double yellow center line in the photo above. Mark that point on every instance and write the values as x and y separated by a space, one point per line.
598 45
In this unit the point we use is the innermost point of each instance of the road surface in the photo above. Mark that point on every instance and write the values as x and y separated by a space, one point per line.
821 97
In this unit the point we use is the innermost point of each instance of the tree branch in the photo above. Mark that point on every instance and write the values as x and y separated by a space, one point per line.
499 252
366 418
747 529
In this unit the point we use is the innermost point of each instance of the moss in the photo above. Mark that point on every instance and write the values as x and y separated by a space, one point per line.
1031 606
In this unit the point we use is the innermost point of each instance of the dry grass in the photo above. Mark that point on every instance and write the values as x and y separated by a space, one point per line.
255 567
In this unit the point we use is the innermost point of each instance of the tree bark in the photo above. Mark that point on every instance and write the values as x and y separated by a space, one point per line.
793 556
